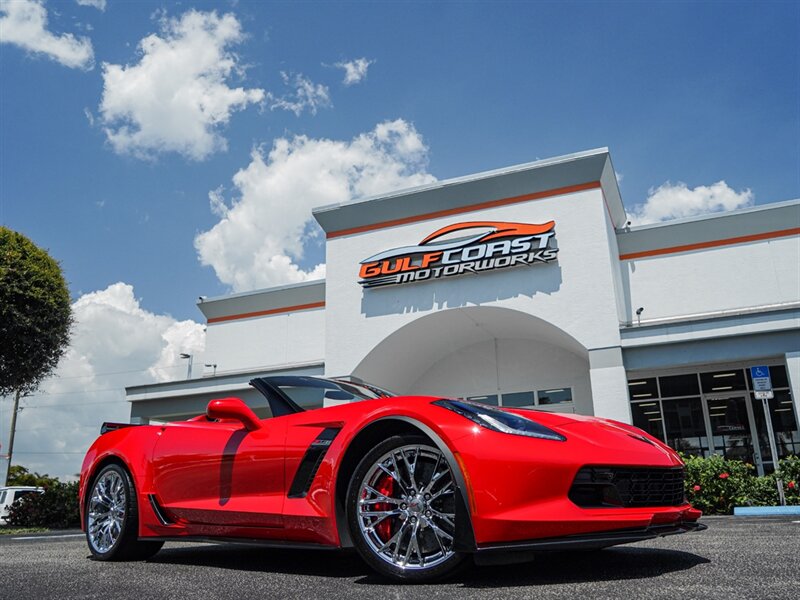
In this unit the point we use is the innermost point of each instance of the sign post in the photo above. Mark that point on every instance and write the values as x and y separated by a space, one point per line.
762 387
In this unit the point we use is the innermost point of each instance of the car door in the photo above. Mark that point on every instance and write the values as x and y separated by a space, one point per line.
218 473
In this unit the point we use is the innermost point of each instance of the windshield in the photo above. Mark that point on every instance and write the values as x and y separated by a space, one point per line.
314 392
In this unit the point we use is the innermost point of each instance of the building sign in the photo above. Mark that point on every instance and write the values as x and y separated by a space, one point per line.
762 384
472 247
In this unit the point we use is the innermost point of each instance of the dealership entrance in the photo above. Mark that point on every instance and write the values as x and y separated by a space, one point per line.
715 412
494 355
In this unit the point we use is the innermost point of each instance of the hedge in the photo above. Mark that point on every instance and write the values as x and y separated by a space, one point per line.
715 485
57 508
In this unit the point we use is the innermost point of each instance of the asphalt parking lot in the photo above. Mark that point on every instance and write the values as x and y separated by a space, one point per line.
736 557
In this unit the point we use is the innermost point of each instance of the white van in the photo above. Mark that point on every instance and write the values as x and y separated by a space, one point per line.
8 495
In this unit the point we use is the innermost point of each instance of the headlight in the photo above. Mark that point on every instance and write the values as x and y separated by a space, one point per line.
500 420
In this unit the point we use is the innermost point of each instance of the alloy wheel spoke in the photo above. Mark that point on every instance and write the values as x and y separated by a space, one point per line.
395 540
448 518
371 526
413 545
439 531
437 537
445 490
398 477
411 468
380 513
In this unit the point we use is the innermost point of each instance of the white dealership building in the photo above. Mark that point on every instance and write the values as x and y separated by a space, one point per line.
527 287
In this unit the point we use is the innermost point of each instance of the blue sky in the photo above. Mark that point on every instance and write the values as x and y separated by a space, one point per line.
678 91
685 94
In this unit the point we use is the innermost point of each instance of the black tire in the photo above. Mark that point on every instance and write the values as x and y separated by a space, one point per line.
448 562
120 522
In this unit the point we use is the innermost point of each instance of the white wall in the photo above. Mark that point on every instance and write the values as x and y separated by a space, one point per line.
728 277
518 365
575 293
272 340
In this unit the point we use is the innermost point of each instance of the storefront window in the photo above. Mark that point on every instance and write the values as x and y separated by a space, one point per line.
647 416
488 399
679 385
715 412
730 380
518 399
639 389
556 396
684 425
784 425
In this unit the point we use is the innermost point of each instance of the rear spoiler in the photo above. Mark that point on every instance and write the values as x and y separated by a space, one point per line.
106 427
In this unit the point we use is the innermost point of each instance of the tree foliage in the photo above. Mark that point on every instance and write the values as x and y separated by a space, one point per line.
19 475
35 313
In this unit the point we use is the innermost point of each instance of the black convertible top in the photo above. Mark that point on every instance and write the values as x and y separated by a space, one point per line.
280 403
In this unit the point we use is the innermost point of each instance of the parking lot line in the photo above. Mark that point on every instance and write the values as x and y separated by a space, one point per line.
43 537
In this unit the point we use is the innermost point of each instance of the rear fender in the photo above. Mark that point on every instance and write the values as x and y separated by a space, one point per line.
131 447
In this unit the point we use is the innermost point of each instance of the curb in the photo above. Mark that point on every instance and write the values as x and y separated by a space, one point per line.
765 511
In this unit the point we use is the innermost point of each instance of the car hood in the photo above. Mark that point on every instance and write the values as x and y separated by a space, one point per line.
605 438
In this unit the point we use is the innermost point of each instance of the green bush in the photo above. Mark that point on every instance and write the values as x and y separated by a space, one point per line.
789 473
715 484
57 508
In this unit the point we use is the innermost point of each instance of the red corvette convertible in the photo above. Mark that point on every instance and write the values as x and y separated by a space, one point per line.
416 484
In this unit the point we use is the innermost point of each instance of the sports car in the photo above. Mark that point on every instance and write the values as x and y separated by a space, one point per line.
417 485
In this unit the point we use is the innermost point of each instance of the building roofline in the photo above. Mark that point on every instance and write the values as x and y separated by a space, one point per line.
529 181
288 298
748 225
437 185
261 291
717 215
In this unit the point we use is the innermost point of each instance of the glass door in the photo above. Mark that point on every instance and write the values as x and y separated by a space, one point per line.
732 425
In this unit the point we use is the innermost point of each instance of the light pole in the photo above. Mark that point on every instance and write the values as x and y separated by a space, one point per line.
11 434
214 366
189 370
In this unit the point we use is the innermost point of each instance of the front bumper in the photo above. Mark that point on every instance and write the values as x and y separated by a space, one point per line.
512 552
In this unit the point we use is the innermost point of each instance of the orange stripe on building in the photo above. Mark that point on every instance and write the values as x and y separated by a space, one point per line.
469 208
271 311
712 244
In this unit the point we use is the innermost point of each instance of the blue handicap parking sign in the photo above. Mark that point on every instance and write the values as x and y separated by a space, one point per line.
762 384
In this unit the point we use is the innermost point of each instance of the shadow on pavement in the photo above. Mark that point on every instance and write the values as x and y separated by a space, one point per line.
557 568
322 563
612 564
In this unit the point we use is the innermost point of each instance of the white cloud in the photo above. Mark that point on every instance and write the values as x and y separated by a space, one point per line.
355 71
24 24
115 343
261 236
176 98
98 4
676 201
306 95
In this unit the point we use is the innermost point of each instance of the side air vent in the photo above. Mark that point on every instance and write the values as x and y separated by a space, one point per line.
312 459
159 510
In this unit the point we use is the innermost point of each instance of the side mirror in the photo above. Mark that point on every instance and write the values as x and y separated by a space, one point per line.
233 408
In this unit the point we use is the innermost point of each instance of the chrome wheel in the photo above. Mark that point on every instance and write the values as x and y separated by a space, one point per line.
106 511
406 507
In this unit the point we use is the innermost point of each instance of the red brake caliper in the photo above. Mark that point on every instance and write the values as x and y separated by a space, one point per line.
384 528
